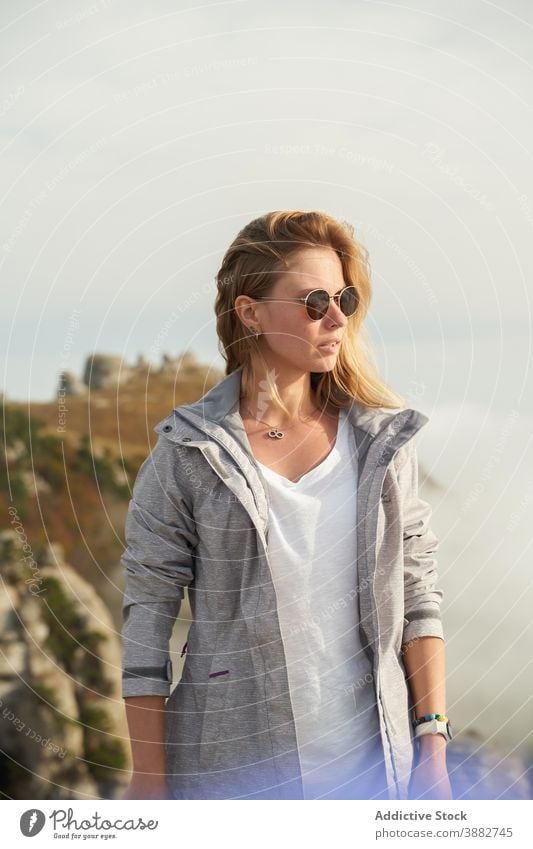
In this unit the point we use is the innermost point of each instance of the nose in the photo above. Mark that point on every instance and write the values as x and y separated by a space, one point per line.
335 314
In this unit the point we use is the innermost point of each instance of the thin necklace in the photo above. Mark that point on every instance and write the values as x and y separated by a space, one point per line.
275 432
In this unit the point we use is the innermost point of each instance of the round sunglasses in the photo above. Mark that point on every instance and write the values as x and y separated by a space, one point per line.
317 302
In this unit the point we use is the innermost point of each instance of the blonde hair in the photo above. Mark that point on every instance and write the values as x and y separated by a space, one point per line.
251 265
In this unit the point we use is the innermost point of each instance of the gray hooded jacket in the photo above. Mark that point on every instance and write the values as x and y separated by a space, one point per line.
199 518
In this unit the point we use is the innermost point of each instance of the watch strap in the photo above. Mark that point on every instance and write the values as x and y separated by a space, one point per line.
434 726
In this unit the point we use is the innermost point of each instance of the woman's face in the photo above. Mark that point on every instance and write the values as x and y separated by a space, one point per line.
288 334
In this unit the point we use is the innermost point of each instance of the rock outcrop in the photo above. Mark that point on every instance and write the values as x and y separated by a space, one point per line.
105 371
63 731
69 384
181 365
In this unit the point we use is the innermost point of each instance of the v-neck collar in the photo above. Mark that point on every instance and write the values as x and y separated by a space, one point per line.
320 467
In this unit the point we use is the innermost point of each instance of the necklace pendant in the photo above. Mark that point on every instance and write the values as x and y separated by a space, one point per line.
275 433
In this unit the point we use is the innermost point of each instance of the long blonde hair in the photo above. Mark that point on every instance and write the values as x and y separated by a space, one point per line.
251 265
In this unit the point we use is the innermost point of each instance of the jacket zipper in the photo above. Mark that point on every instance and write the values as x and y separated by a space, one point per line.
265 551
374 611
252 460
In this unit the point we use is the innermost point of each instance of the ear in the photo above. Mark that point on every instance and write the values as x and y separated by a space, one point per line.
246 309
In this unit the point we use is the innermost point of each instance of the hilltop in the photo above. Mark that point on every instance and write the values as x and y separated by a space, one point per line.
70 478
118 404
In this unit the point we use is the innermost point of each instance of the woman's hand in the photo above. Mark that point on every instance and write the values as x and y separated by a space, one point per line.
429 778
147 787
430 781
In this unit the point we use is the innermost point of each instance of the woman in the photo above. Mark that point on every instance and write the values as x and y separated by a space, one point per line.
286 500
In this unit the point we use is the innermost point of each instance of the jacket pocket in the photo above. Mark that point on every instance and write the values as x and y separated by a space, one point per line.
218 673
218 679
216 714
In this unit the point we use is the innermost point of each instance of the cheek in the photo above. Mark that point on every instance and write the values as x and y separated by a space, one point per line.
291 333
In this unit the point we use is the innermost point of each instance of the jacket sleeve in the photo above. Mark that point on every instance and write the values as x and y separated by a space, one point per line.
422 596
158 563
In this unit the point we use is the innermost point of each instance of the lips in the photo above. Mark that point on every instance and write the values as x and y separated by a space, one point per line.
334 343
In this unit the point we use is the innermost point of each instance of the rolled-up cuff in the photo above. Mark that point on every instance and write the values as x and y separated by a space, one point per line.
426 627
147 680
146 687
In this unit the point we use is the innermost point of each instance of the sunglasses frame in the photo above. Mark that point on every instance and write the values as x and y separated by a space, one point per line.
304 301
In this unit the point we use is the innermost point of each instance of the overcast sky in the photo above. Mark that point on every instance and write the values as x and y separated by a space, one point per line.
136 141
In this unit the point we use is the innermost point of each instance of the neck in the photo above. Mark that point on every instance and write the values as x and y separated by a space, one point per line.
293 388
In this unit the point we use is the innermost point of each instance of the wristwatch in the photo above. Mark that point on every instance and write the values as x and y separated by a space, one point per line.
434 726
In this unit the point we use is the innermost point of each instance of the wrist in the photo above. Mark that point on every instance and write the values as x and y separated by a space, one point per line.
154 770
434 725
432 745
150 778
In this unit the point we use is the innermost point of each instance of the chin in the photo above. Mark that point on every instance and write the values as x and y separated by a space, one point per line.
323 367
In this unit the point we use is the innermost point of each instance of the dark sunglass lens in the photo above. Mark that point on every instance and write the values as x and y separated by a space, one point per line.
348 300
317 304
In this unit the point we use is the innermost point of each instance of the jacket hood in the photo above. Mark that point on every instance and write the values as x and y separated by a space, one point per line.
219 408
223 399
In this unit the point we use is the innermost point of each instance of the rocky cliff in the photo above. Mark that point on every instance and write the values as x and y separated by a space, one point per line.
63 733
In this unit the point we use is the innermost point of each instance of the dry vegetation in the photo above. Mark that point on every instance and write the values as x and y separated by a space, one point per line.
122 418
73 487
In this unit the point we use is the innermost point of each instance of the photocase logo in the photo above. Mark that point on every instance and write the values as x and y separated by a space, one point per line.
31 822
263 395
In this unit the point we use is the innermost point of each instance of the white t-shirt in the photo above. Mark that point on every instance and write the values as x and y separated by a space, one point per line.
312 551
